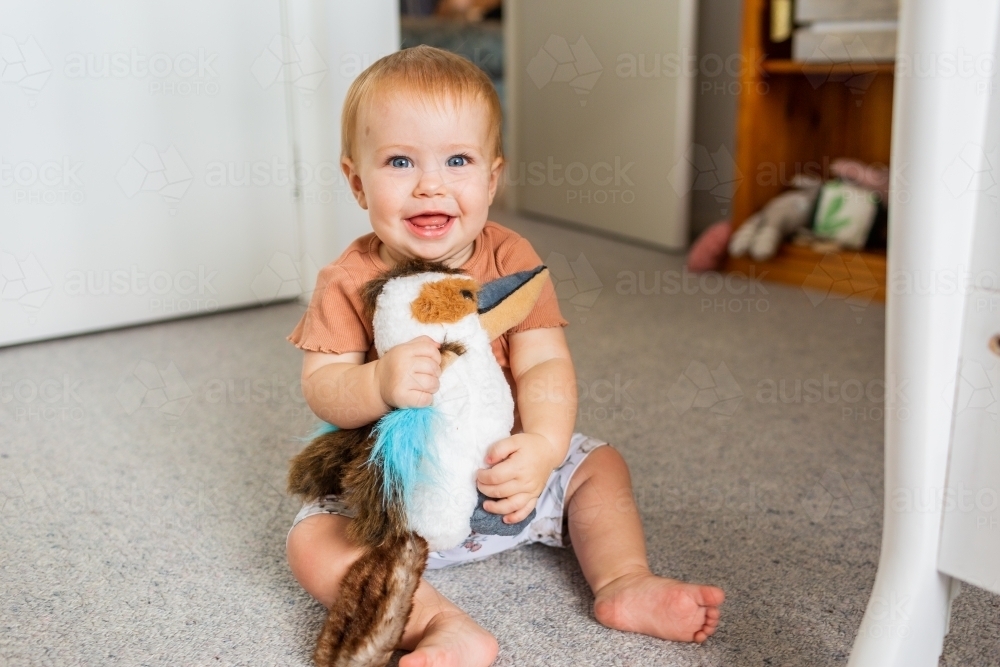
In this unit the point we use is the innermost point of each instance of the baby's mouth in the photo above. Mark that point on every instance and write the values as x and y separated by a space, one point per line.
430 225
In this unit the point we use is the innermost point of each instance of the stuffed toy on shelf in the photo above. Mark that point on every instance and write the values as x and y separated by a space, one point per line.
411 476
762 233
847 212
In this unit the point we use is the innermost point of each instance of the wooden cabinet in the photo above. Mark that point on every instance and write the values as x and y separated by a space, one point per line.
798 117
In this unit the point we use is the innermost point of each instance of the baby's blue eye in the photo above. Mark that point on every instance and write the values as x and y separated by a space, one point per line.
400 162
457 161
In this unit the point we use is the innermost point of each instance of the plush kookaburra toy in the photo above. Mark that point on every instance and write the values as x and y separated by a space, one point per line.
411 476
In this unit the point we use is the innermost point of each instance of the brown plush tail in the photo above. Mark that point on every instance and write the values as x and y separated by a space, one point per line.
318 470
367 620
338 463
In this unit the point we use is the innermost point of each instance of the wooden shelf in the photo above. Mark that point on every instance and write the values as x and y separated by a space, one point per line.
801 67
860 275
798 117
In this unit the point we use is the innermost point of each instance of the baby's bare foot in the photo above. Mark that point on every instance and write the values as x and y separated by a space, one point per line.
452 639
664 608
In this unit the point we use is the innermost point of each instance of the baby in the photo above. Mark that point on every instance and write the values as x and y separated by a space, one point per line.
422 152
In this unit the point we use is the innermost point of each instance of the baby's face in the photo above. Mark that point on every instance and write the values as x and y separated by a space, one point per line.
426 175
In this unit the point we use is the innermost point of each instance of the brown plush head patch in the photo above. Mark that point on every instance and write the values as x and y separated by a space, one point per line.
372 288
446 301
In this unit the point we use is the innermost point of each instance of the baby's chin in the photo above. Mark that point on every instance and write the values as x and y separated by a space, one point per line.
453 256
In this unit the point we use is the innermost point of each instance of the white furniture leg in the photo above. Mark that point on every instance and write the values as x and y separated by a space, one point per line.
940 108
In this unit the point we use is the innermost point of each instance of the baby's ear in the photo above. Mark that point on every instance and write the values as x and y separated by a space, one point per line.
506 302
354 180
496 171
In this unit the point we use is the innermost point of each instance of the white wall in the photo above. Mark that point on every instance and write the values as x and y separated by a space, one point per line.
602 95
159 185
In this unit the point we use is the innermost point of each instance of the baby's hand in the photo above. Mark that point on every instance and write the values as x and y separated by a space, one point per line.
521 467
408 374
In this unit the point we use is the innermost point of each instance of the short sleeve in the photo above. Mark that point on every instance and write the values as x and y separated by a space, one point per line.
520 256
333 323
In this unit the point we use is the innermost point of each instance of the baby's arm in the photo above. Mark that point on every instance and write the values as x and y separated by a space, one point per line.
343 390
546 399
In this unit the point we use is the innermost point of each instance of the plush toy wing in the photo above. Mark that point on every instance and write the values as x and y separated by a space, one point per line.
504 303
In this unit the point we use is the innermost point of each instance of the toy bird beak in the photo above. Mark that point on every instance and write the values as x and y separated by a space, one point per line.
506 302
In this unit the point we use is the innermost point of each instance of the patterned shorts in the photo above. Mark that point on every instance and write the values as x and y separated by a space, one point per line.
546 528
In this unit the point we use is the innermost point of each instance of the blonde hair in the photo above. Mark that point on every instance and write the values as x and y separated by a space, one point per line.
421 71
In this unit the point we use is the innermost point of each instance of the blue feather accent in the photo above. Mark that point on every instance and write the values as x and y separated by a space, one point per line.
321 429
402 439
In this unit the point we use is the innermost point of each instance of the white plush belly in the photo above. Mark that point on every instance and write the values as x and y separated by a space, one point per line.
475 409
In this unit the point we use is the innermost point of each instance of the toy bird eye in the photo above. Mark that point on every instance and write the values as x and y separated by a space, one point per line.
467 294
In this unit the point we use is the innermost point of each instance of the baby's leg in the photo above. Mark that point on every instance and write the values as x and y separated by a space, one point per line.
438 632
607 537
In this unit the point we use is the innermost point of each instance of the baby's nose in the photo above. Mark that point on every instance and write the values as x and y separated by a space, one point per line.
431 181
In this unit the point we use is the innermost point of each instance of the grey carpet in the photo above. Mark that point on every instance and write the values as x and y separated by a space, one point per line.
147 525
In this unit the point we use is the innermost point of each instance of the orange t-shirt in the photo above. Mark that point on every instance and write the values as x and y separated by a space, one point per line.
335 323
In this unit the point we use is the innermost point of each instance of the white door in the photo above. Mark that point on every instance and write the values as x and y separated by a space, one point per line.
943 230
601 97
146 162
970 534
